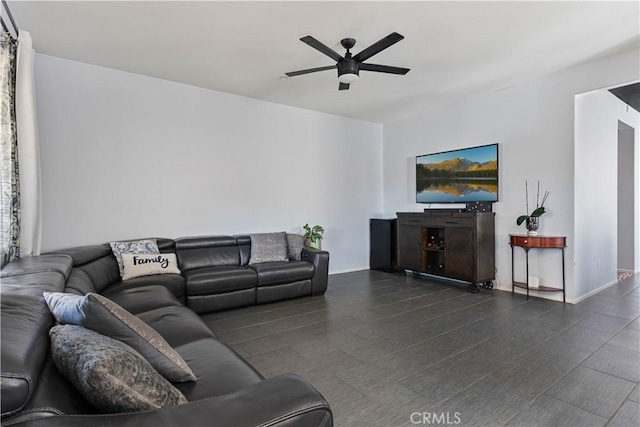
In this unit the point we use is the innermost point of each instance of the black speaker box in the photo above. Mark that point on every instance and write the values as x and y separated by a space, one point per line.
382 249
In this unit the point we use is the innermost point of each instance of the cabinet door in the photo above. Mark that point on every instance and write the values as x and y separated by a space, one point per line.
459 247
409 247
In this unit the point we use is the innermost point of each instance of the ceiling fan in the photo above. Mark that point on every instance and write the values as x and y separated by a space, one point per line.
349 66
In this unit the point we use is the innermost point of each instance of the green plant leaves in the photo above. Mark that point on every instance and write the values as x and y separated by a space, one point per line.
313 233
538 212
535 213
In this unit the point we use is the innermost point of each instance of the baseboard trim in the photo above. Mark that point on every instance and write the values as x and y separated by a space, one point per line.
348 270
551 296
593 292
624 270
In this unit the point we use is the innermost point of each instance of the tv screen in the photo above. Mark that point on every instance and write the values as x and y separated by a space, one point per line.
458 176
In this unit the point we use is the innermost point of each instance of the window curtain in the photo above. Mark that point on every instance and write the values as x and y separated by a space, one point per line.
29 158
20 204
10 183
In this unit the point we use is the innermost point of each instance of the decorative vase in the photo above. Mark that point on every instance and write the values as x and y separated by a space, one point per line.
532 225
317 244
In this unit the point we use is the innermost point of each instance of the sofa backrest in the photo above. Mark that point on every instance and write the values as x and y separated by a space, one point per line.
79 283
95 267
207 251
244 245
25 322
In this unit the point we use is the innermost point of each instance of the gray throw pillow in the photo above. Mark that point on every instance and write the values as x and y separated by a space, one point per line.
295 243
147 246
268 247
102 315
108 373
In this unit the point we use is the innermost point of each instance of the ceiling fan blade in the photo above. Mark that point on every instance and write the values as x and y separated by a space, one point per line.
309 70
343 86
378 46
384 69
322 48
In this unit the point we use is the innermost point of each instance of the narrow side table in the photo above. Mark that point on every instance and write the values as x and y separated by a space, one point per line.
536 242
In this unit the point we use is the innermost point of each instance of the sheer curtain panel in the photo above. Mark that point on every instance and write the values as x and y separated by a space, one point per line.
29 159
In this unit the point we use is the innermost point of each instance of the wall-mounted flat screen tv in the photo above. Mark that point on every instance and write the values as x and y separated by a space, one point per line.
458 176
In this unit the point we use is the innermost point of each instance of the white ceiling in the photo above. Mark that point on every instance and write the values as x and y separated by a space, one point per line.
454 49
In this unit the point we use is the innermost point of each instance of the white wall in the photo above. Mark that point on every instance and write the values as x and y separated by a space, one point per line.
126 156
626 197
596 187
534 124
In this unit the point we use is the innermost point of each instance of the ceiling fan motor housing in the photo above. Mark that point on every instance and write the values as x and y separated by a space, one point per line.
348 66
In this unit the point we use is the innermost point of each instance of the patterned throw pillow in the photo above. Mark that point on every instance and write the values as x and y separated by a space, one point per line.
295 243
136 265
268 247
104 316
147 246
108 373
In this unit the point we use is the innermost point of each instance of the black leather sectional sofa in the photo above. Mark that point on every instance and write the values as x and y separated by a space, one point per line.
218 275
215 276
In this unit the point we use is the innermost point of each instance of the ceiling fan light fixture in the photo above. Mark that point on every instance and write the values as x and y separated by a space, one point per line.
348 78
349 66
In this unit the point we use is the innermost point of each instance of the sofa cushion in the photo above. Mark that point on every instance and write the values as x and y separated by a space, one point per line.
276 273
178 325
174 282
143 298
268 247
219 369
295 243
138 265
108 373
102 315
145 246
217 280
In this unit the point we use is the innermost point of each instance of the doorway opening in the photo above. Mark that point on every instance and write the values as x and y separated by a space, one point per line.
627 244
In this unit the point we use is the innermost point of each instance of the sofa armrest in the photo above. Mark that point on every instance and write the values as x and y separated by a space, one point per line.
286 400
320 260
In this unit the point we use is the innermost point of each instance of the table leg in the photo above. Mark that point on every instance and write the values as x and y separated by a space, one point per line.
513 280
526 251
563 289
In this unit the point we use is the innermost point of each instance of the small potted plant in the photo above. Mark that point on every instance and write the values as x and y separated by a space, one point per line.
532 220
313 236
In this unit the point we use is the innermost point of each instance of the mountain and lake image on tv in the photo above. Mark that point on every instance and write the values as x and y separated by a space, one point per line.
458 176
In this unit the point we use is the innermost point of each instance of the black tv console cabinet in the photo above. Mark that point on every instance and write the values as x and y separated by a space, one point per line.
455 245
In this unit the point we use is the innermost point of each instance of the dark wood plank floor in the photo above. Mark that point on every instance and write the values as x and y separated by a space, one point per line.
387 350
